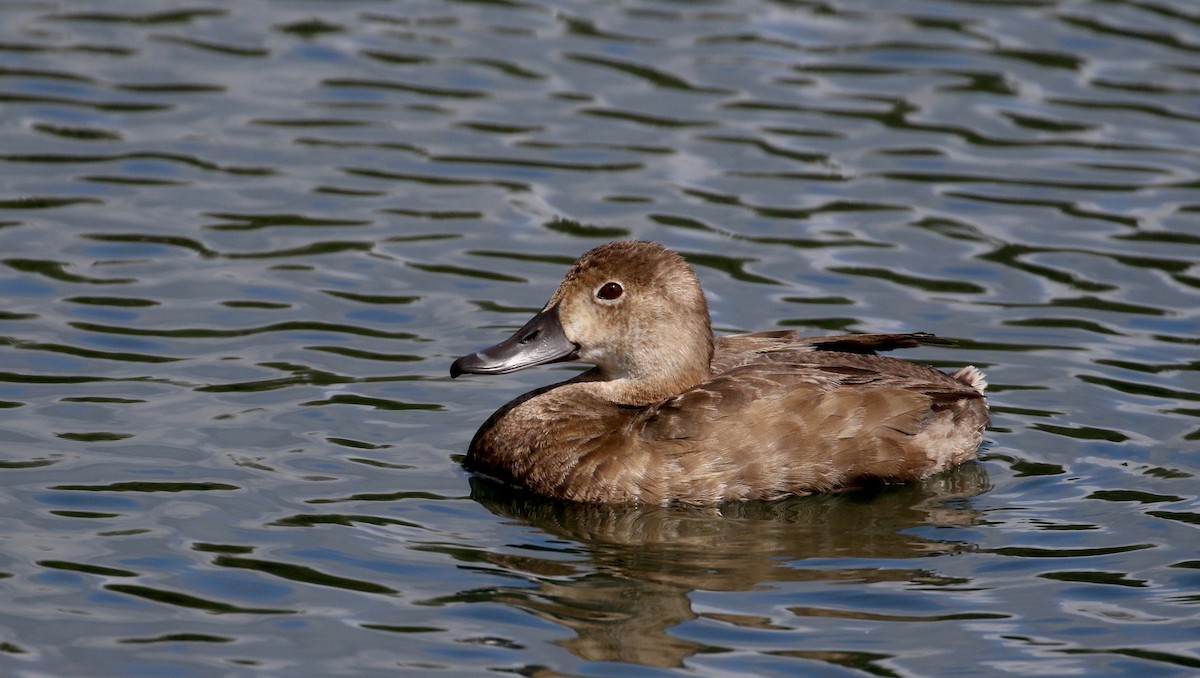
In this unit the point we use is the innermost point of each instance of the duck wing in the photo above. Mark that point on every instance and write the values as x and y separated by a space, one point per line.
806 420
739 349
884 388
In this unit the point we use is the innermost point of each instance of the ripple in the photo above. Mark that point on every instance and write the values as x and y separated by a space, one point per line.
46 203
651 75
91 515
1036 552
435 180
179 638
769 149
205 276
49 158
926 284
367 355
425 90
86 568
149 486
574 228
777 212
183 600
311 520
463 271
819 612
300 573
94 436
437 215
372 403
104 106
250 222
1186 517
1124 386
212 46
542 164
1083 432
1156 656
214 333
82 133
645 119
87 353
31 463
182 16
56 270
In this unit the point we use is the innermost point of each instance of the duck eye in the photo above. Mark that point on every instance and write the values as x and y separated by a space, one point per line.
609 291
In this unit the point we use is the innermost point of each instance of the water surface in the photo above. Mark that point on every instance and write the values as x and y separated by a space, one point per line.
241 242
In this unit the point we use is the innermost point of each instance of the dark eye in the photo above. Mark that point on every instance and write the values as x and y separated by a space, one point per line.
610 291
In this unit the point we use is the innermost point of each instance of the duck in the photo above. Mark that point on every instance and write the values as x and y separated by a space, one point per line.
671 414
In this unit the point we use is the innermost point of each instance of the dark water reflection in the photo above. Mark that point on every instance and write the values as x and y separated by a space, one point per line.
240 243
641 564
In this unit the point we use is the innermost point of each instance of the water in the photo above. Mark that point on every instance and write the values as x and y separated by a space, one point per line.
241 243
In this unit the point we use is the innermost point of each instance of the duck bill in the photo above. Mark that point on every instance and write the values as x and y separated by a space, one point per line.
539 342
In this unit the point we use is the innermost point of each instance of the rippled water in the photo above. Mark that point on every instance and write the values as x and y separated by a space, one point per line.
242 241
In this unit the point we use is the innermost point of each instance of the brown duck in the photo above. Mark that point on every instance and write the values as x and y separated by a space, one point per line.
671 414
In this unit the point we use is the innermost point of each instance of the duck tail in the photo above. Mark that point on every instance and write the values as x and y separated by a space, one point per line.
971 376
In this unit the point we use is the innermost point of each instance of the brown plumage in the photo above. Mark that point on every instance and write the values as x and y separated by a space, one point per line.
670 413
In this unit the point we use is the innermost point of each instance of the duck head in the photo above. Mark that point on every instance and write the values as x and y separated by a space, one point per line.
635 310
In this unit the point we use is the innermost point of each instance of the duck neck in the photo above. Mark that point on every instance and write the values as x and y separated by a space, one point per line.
664 373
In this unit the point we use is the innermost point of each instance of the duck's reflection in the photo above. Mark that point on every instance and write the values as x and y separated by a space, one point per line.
640 563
